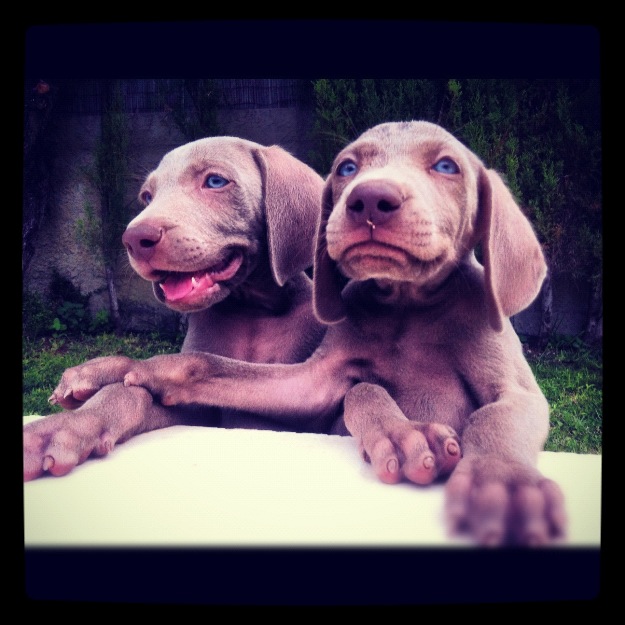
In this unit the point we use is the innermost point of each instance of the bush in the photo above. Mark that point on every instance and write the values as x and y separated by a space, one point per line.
37 316
65 312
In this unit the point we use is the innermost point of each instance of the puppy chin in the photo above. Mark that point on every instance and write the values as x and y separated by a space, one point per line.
397 268
367 269
367 261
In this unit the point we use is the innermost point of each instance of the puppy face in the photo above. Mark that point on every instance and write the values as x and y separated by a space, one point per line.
402 203
201 232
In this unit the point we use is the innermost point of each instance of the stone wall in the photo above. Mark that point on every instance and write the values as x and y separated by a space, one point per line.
58 247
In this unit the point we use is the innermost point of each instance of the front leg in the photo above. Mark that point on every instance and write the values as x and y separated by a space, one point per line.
396 447
305 396
81 382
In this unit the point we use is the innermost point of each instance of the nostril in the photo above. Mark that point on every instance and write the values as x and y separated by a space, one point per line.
386 207
147 243
358 206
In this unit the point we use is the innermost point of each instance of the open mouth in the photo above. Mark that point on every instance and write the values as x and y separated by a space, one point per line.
176 286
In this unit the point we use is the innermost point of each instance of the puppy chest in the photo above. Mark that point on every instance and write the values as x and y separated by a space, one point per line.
263 340
419 375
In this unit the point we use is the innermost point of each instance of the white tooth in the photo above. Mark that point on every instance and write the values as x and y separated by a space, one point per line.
193 281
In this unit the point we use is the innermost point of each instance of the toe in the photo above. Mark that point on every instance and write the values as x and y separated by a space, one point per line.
489 505
384 459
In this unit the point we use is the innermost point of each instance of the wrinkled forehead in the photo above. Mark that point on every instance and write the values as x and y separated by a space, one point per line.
385 142
226 156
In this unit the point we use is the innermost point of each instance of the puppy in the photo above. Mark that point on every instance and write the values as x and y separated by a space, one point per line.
225 235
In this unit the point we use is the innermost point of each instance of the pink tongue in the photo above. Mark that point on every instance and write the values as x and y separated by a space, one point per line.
177 287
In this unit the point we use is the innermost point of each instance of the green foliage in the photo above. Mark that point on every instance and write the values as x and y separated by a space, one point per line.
71 316
68 304
548 146
198 120
347 107
100 322
65 312
112 172
37 317
89 231
100 231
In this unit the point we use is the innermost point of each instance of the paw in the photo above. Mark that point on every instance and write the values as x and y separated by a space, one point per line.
417 452
504 503
58 443
72 391
80 383
162 389
173 379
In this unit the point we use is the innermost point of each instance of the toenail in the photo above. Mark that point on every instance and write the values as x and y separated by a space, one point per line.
48 463
391 465
452 448
428 462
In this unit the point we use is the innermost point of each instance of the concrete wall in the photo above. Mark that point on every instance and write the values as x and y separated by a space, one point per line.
152 136
570 309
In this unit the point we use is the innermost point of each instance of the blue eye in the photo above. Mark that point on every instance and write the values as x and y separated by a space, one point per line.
446 166
146 197
346 168
215 182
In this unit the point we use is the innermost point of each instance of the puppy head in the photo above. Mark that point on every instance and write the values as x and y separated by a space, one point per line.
407 203
216 210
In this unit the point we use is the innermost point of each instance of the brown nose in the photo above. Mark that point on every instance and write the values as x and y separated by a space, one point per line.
373 202
141 240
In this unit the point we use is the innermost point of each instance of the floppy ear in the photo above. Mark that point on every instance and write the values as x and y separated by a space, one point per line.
514 264
328 282
292 193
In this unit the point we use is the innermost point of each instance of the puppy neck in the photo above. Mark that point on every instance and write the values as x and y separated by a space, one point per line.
260 292
398 293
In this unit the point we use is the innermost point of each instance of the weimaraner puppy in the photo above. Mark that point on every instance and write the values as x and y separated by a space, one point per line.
226 234
420 362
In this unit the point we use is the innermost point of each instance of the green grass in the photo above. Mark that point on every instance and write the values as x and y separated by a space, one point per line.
571 377
569 374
